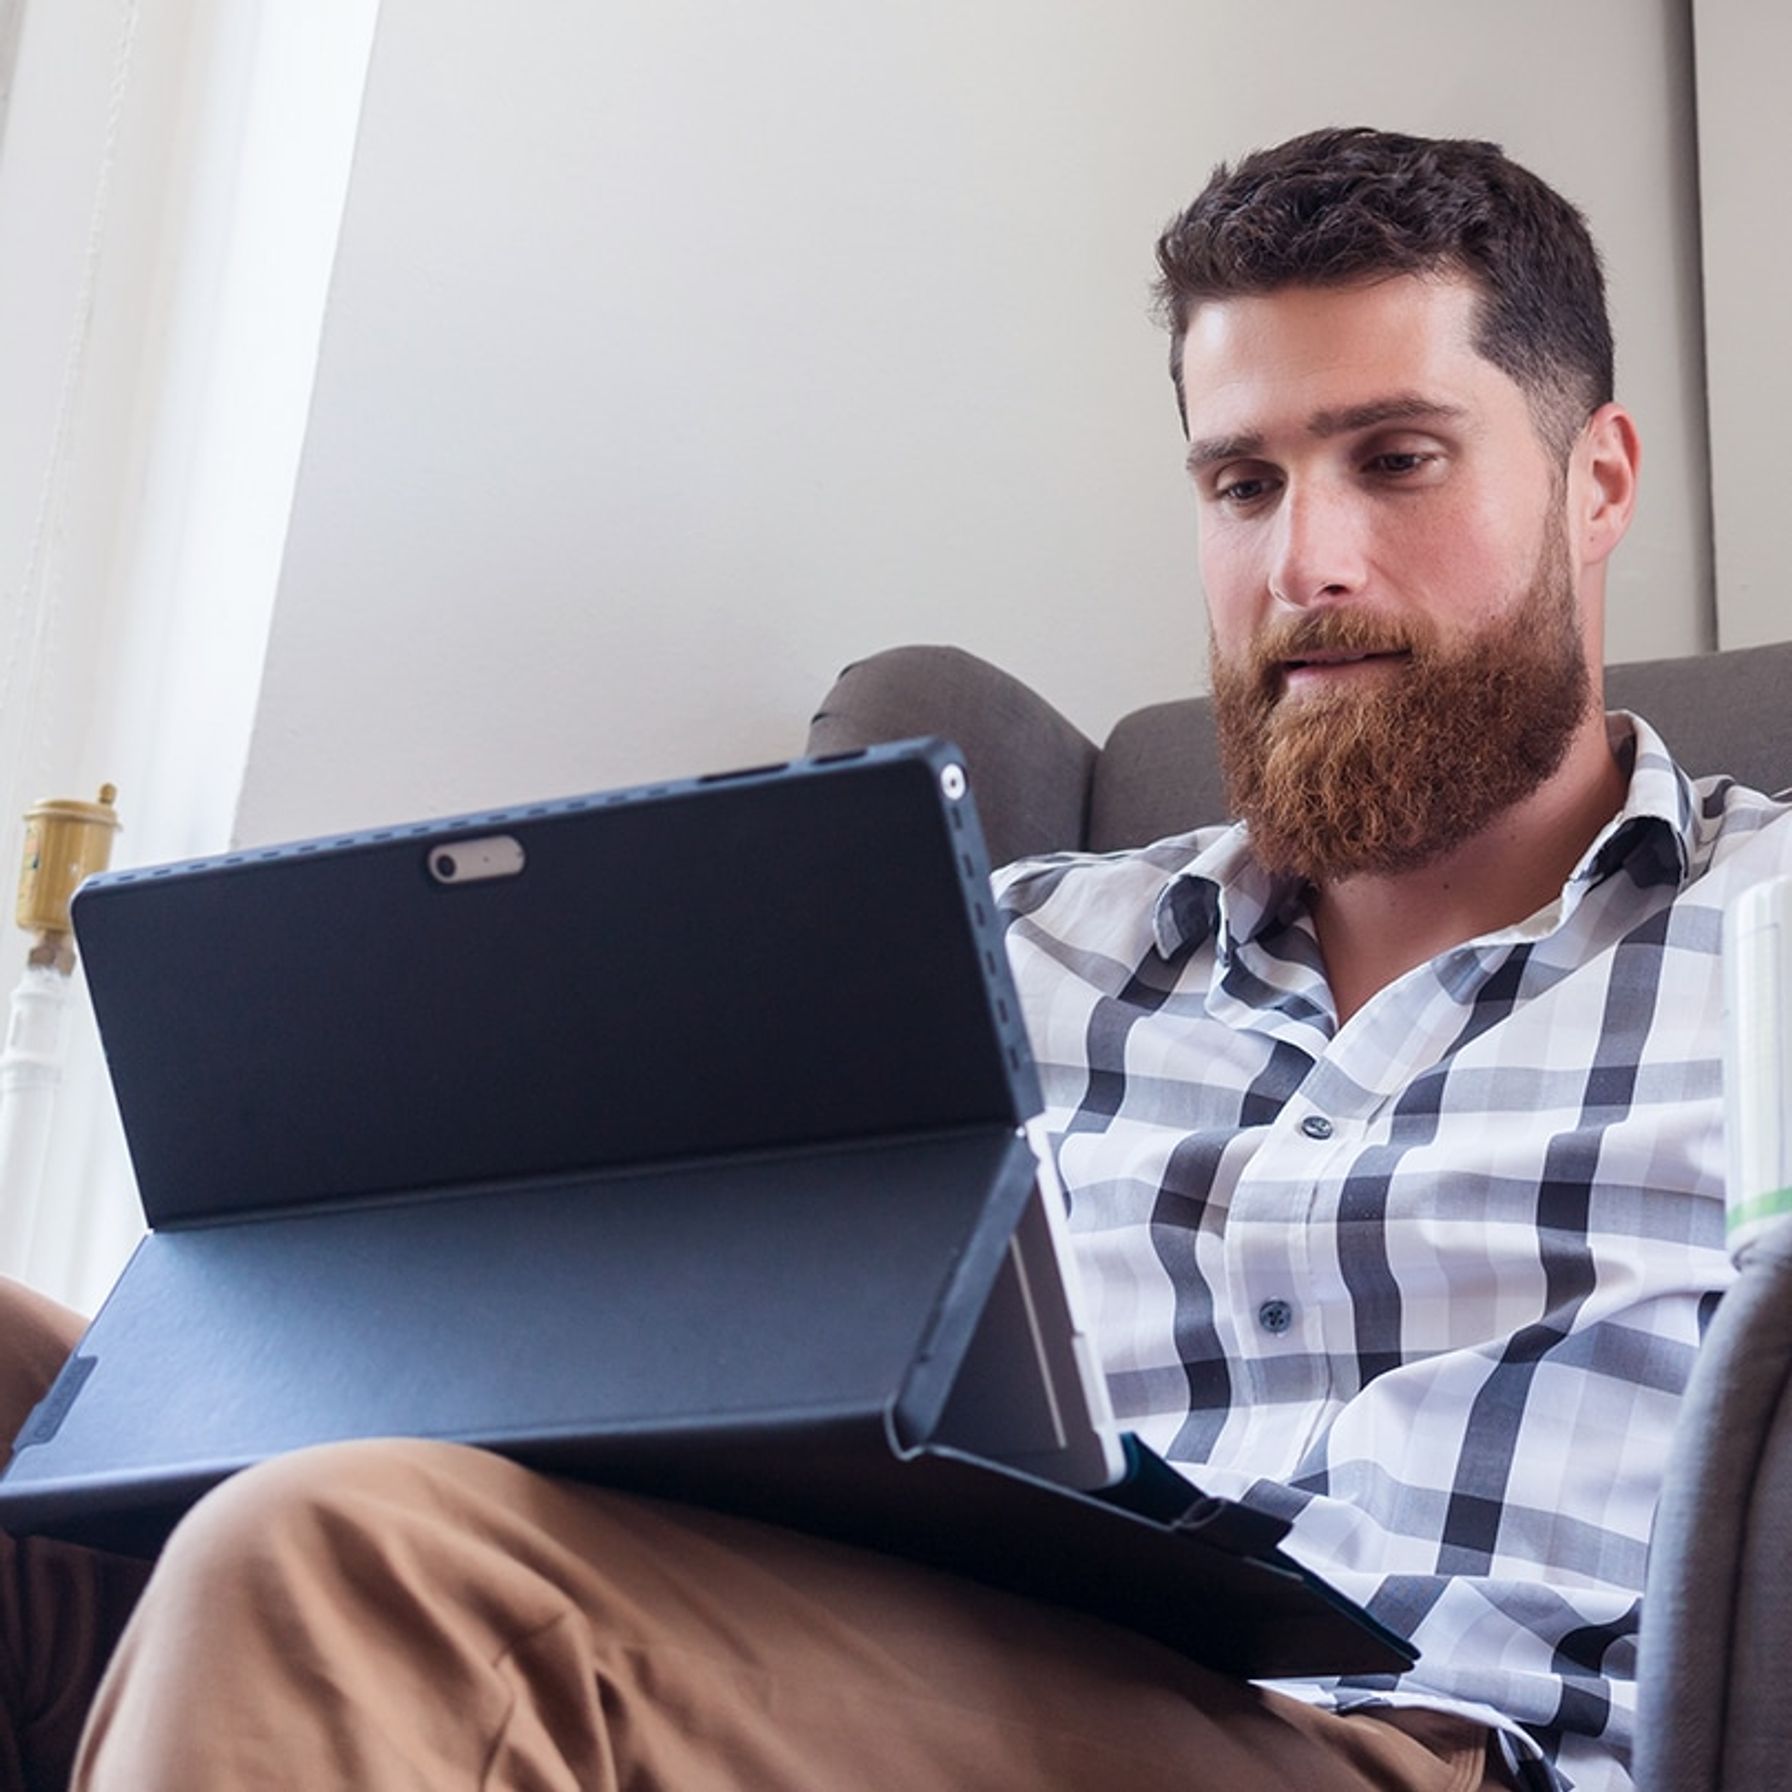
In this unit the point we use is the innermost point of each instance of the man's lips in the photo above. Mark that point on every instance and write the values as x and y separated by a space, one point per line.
1324 660
1316 670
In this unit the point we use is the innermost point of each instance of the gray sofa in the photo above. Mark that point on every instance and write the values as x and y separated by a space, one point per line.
1717 1630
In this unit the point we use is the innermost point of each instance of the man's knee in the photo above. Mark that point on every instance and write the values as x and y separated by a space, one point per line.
321 1510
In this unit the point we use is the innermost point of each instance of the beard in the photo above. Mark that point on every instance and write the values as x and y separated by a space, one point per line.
1386 775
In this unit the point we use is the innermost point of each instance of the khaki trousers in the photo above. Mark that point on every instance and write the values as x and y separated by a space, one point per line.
414 1615
61 1608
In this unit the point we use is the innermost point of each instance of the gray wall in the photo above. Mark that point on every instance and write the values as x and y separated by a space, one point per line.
677 354
1745 165
11 12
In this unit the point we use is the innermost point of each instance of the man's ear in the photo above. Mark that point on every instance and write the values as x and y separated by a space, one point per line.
1603 482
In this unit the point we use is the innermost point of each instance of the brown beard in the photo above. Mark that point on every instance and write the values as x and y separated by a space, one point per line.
1388 776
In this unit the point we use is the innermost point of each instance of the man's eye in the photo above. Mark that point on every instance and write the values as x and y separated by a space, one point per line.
1401 463
1241 492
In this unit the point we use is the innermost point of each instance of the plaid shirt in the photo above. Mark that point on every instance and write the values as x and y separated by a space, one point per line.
1430 1284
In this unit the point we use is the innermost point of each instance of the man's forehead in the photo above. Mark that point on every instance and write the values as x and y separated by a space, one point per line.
1325 360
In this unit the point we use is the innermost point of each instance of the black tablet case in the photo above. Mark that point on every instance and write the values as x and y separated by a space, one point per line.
683 1160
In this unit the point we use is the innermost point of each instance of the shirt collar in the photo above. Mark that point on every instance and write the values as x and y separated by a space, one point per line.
1656 832
1225 894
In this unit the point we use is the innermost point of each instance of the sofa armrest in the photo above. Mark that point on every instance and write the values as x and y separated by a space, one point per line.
1713 1715
1030 767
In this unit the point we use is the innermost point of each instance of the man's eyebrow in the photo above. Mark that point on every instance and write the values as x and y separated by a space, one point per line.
1205 450
1401 407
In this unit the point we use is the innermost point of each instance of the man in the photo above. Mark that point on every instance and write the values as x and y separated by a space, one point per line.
1390 1122
1388 1118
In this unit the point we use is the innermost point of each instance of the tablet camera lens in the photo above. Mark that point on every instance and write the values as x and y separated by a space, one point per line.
445 866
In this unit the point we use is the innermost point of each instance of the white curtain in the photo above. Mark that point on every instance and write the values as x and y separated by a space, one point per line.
172 176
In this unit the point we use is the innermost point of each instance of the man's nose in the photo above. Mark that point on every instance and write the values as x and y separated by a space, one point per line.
1318 551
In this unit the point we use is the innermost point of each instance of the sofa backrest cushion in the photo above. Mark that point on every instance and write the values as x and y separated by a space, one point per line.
1042 786
1718 712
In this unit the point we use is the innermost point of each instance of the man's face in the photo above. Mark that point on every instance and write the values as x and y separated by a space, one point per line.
1398 654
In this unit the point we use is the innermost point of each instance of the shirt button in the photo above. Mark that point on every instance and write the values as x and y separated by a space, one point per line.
1275 1315
1316 1126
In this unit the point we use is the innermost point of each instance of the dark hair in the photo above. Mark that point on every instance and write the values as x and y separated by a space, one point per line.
1342 205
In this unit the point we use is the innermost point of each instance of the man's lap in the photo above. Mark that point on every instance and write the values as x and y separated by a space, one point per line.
381 1613
535 1631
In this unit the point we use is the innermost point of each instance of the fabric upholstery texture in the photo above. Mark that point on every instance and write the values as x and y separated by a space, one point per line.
1032 766
1718 1628
1158 774
1719 712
